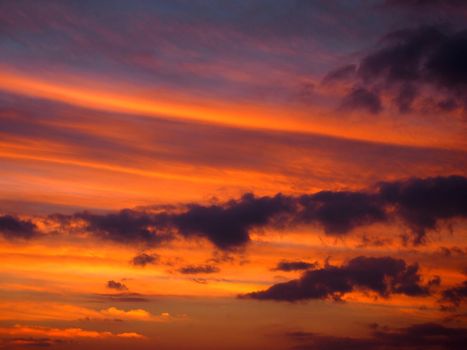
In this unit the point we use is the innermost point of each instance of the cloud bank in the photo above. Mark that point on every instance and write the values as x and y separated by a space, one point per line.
419 204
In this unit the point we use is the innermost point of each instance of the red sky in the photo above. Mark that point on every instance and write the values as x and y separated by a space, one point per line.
233 174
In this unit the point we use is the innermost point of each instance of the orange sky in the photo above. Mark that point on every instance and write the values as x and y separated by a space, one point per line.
175 111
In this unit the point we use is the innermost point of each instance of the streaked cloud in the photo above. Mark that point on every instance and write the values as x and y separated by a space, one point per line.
161 158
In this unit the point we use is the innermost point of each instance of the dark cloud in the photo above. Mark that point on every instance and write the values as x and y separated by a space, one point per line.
435 281
293 265
126 226
426 335
429 4
198 269
229 225
404 64
447 65
340 212
144 259
123 297
362 98
12 227
116 285
370 241
308 340
384 276
401 55
342 73
419 336
404 98
226 225
421 204
29 342
455 295
452 251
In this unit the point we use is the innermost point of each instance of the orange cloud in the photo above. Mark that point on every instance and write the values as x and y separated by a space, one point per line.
116 96
38 311
19 330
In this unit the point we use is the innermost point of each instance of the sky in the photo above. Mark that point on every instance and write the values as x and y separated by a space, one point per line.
262 174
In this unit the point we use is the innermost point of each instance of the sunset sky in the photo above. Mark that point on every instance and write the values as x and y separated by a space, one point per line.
233 174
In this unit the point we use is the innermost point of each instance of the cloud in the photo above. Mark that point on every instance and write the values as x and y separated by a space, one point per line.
293 265
41 311
12 227
134 314
420 204
198 269
452 251
63 333
350 161
137 314
341 212
419 336
126 226
405 66
228 225
41 342
429 4
455 295
116 285
384 276
144 259
362 98
343 73
123 297
308 340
